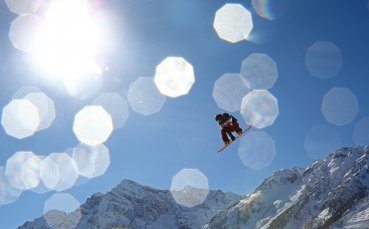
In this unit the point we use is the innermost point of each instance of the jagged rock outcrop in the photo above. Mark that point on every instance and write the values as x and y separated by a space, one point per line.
131 205
331 193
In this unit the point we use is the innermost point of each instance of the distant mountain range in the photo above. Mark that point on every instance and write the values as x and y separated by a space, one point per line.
331 193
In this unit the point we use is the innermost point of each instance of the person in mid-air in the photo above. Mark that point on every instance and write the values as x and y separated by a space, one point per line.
229 124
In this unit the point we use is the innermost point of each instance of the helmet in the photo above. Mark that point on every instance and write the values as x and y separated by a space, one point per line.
218 117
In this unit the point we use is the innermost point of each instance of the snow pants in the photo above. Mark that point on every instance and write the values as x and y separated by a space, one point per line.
234 126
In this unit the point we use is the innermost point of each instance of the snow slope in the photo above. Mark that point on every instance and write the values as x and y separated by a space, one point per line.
130 205
331 193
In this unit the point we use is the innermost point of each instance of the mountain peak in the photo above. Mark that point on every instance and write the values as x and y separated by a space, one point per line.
131 205
130 184
330 193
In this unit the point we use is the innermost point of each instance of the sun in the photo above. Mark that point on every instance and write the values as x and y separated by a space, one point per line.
69 41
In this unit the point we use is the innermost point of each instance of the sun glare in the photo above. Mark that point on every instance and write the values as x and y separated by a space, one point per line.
69 41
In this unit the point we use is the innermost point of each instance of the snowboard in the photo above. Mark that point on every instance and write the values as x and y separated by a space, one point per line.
224 147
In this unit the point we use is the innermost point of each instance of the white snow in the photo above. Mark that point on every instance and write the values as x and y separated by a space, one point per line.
131 205
331 193
328 193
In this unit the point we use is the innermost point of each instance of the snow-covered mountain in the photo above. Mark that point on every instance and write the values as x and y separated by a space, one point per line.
331 193
131 205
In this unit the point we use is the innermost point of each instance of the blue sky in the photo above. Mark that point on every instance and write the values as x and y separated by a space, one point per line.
152 149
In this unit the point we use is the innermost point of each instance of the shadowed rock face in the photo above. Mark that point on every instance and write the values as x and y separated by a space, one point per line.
331 193
131 205
328 194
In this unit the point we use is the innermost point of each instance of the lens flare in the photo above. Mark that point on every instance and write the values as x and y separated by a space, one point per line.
117 107
257 151
340 106
93 125
8 194
270 9
45 107
144 97
189 187
18 168
20 118
67 45
233 23
259 108
91 161
62 211
260 70
59 171
229 91
174 77
24 91
25 31
23 7
70 39
323 59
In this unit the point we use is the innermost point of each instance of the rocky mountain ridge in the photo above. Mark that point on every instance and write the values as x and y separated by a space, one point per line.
131 205
331 193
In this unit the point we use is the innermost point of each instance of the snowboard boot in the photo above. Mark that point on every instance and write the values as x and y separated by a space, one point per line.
231 136
239 132
226 143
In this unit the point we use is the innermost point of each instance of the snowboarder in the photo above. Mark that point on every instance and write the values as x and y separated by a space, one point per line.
228 124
